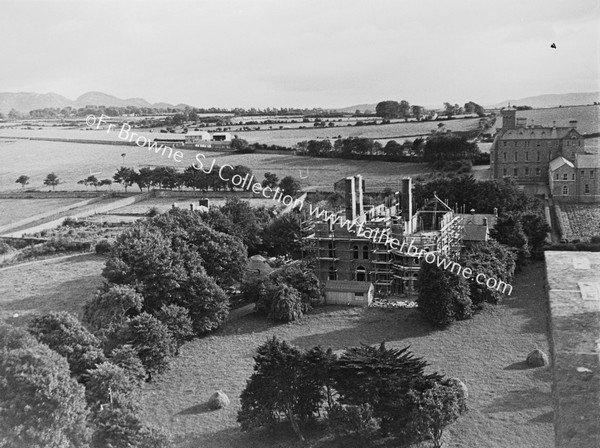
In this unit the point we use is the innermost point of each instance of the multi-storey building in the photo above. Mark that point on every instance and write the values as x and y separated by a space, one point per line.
343 255
553 157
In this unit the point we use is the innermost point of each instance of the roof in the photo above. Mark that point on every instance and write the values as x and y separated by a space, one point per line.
347 286
473 232
477 219
587 160
558 162
538 133
170 137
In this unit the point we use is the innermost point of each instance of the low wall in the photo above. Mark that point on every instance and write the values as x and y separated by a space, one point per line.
56 194
202 194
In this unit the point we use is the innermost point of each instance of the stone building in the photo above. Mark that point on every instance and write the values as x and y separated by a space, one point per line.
550 157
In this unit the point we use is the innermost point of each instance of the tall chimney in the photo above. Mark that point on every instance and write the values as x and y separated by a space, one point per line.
359 184
407 202
350 198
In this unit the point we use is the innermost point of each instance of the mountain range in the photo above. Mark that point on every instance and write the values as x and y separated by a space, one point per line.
27 101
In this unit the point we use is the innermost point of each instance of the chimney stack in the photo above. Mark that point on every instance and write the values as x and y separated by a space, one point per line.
573 124
359 184
406 203
350 198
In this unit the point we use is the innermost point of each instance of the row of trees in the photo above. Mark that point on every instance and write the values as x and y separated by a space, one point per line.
393 109
364 393
362 148
169 177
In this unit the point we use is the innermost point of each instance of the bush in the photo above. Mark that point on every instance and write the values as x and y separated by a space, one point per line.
443 296
111 306
286 304
5 248
595 239
177 320
355 420
103 247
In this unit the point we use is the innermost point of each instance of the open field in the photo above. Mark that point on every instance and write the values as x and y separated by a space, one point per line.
13 210
284 137
581 221
74 161
509 405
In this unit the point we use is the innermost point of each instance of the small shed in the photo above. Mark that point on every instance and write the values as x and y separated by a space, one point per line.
346 292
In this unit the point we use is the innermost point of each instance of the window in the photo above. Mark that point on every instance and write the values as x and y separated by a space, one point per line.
516 158
332 250
556 176
366 252
516 171
358 295
516 144
526 143
361 274
537 143
527 156
582 173
504 143
505 172
573 176
332 273
565 191
526 171
538 156
565 176
505 157
355 252
538 172
568 142
587 189
591 173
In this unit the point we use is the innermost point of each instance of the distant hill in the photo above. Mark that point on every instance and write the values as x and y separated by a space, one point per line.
361 107
27 101
552 100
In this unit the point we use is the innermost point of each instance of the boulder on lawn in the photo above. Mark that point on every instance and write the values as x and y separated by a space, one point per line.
218 400
537 358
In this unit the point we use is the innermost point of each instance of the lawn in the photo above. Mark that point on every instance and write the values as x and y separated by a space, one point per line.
509 405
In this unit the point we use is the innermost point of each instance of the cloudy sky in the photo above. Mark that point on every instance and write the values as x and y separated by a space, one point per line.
304 53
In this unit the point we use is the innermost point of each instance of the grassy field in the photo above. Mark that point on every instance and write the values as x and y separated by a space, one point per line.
73 161
509 405
13 210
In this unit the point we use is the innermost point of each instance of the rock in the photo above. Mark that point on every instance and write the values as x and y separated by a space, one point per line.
537 358
458 383
218 400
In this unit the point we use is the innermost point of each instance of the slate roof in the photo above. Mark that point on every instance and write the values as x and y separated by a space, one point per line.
558 162
538 133
587 160
347 286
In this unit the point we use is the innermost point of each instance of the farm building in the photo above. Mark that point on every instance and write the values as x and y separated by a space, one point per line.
170 139
221 136
198 138
343 292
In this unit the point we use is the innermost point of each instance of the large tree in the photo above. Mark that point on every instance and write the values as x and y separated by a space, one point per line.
41 406
125 176
65 334
52 180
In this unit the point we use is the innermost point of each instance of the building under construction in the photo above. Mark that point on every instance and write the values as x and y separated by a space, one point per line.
343 255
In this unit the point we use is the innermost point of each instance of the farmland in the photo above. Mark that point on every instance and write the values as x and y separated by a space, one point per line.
74 161
14 210
509 405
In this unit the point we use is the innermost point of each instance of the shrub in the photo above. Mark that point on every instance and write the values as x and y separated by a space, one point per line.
110 306
111 384
5 248
286 304
354 420
103 247
118 427
595 239
443 295
126 357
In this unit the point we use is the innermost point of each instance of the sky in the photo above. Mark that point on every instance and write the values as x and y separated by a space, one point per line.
305 53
